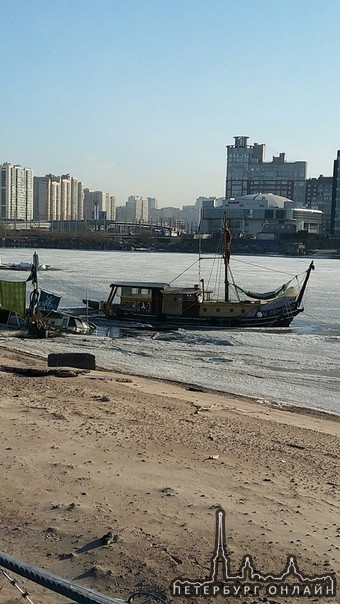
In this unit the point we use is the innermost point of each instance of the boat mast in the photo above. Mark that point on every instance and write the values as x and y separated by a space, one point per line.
199 256
226 256
227 240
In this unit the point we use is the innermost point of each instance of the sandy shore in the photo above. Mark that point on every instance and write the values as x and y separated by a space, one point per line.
151 462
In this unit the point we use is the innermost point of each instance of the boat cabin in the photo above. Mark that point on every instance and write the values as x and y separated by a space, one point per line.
142 299
181 301
132 297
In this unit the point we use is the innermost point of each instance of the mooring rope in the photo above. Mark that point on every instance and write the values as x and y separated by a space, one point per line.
64 587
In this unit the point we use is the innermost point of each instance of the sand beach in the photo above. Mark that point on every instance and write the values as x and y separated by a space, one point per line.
150 462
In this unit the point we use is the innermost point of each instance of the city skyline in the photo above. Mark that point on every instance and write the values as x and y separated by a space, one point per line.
142 98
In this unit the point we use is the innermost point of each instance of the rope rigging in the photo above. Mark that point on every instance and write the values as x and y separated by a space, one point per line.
185 270
214 278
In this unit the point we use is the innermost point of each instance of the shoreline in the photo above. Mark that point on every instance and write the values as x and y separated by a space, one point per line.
117 242
292 408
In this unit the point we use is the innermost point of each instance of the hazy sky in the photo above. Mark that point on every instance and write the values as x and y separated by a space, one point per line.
141 97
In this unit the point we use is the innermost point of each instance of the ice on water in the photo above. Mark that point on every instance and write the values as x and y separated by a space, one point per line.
299 365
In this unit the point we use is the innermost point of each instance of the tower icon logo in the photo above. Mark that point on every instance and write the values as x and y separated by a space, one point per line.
291 582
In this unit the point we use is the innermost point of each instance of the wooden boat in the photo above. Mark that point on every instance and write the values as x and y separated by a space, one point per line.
195 307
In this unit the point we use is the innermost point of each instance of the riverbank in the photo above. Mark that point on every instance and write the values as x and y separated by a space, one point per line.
91 239
151 461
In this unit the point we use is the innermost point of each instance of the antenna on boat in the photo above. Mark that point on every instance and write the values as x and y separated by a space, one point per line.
87 305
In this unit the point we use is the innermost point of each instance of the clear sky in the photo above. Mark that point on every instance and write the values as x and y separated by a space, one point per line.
141 97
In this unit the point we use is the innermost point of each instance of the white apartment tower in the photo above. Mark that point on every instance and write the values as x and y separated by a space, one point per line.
136 209
140 209
112 208
16 193
46 197
58 198
98 204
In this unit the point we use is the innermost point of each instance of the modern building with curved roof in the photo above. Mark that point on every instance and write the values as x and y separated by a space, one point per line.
260 213
259 200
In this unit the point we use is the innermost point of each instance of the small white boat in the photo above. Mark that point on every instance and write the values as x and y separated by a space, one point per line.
22 266
60 321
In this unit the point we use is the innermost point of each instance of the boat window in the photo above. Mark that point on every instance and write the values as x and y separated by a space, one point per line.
141 292
135 291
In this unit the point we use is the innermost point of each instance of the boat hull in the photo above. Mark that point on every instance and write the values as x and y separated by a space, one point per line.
279 318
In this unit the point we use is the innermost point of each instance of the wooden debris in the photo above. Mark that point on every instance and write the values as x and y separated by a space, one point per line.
38 372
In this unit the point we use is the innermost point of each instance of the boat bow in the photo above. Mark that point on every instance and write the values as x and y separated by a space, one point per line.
304 285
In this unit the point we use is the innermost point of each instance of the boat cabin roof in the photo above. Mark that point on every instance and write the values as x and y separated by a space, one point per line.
139 284
181 290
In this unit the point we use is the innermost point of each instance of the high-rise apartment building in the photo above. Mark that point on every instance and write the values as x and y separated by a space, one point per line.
111 207
58 198
16 193
46 197
76 199
248 172
139 208
318 196
335 212
98 205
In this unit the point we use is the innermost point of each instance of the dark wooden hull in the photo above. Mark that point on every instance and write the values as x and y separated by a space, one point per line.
279 318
